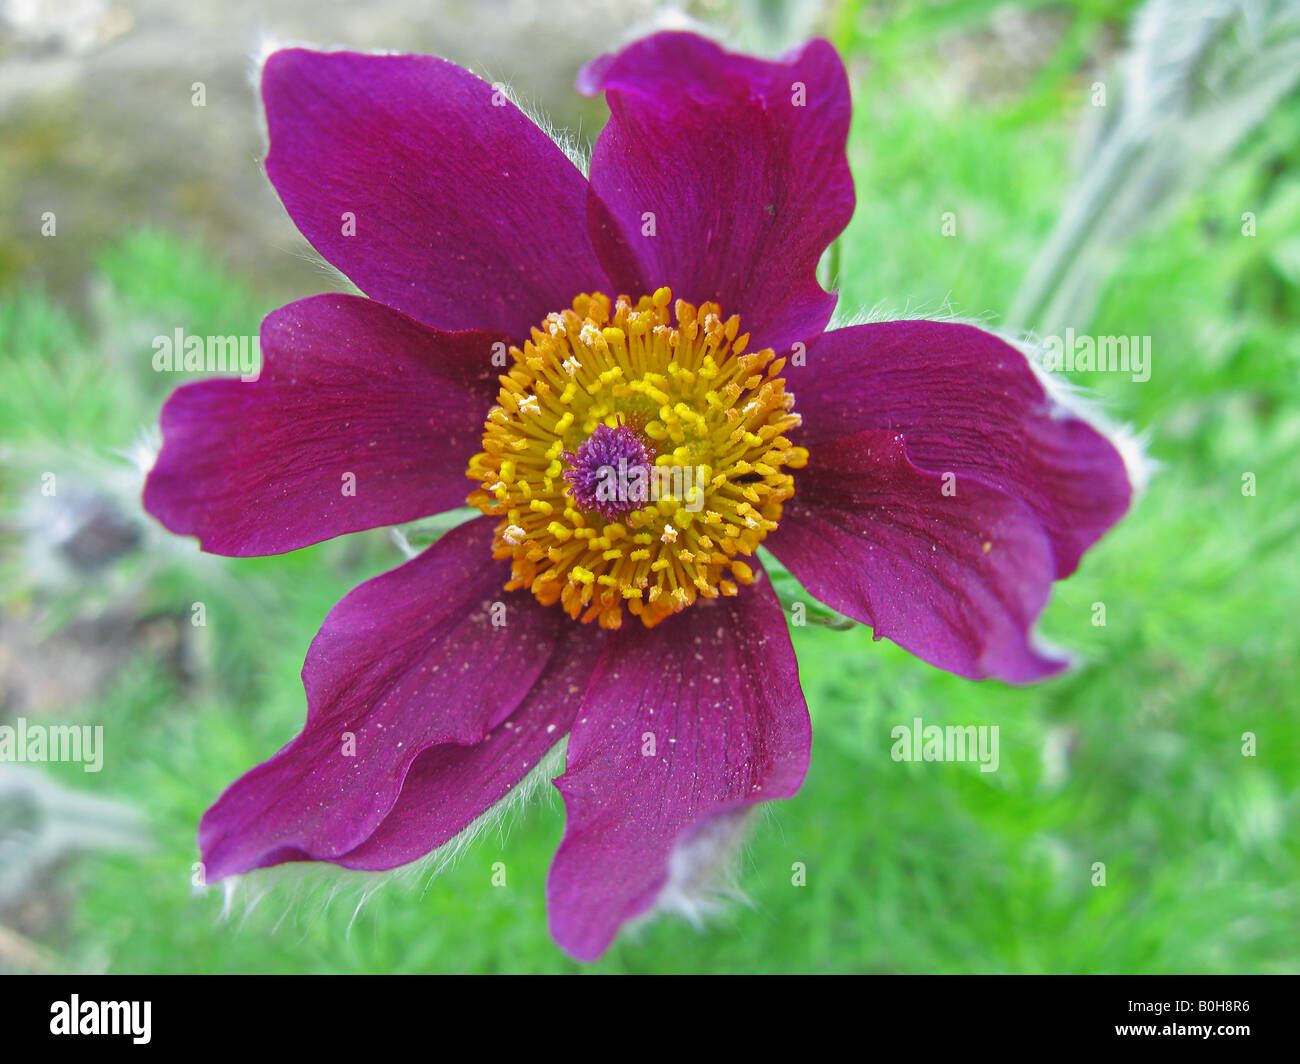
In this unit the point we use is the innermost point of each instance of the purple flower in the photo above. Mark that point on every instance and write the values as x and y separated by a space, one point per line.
913 475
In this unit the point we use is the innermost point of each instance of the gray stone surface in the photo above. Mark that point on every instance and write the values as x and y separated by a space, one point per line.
97 124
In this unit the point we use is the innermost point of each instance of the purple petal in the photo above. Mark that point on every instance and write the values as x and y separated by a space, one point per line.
405 662
466 214
967 403
450 786
717 688
742 164
957 579
361 418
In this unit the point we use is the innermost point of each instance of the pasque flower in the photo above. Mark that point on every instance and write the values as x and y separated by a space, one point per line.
553 337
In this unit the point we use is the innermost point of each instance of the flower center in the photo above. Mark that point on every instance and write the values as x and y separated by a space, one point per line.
635 452
610 473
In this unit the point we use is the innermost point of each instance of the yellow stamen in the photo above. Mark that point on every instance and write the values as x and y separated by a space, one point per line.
712 418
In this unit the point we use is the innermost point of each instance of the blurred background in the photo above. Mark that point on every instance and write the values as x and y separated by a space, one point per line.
1108 166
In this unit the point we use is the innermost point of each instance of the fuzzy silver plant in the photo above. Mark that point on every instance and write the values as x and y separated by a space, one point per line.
1197 77
42 822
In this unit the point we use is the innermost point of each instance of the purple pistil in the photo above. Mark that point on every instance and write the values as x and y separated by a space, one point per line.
609 472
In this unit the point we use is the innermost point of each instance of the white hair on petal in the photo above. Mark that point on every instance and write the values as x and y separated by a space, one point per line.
144 450
703 871
314 886
1072 400
944 310
268 45
576 149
